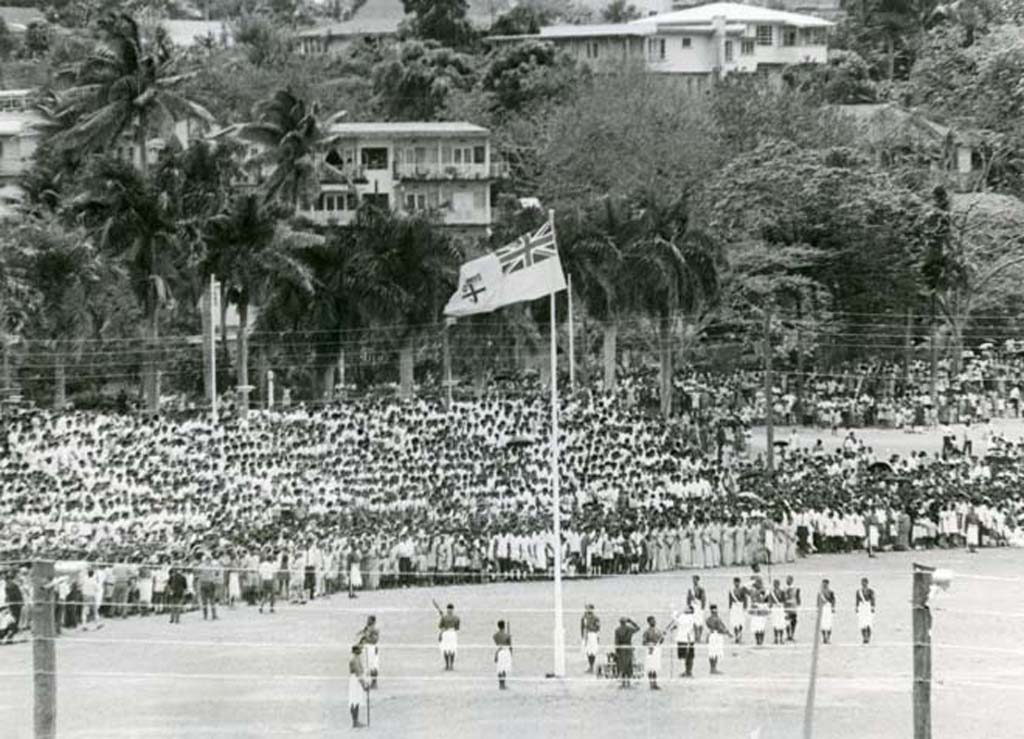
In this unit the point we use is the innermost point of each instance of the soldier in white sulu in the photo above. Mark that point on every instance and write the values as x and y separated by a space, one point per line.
449 636
502 654
652 639
865 605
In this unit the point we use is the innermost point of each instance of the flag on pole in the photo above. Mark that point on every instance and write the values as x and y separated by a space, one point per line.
526 269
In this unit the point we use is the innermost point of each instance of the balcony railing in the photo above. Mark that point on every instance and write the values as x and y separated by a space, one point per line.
443 171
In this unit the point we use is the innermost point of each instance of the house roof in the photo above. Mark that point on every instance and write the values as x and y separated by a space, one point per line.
734 13
882 118
18 19
408 128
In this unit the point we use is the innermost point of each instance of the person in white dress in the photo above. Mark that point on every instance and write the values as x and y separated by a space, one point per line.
827 604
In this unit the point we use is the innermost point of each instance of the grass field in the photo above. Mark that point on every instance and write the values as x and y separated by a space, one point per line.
248 675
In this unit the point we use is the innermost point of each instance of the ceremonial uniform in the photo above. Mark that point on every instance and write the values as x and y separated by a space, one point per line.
356 691
590 627
685 628
370 640
865 605
449 626
827 603
652 656
738 598
777 610
697 599
624 649
503 655
717 632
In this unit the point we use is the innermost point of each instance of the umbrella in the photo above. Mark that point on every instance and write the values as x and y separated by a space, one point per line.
751 496
880 467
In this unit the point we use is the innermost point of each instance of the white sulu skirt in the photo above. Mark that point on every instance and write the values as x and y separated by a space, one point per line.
504 663
652 659
591 644
737 616
356 694
865 616
778 618
449 641
355 577
758 622
827 616
372 657
716 646
234 587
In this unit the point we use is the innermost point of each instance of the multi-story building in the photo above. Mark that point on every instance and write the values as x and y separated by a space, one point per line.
701 43
444 168
830 10
18 139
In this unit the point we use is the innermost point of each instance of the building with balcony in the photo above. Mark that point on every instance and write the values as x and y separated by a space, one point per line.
442 168
700 44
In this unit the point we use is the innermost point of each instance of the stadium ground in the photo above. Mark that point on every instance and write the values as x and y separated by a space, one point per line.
248 675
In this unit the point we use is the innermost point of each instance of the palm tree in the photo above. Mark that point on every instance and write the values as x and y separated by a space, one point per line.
596 241
293 142
65 269
132 221
406 269
250 249
126 85
672 269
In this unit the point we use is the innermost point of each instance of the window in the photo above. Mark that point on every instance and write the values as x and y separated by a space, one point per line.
687 42
415 201
728 51
331 202
479 155
374 158
765 36
655 49
747 47
479 200
351 201
789 37
819 36
593 49
376 200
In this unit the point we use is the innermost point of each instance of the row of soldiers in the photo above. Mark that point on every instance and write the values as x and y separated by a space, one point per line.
778 605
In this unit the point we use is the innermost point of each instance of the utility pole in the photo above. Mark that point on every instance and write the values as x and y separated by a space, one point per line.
769 422
44 653
922 629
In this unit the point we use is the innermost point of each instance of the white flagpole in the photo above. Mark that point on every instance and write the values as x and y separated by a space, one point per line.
555 502
572 340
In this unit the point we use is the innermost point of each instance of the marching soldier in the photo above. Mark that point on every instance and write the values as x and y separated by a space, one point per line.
827 604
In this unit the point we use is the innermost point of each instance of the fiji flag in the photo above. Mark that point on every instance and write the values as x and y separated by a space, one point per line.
526 269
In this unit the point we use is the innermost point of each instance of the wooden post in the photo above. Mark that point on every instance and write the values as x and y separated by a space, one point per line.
44 655
812 685
769 422
922 622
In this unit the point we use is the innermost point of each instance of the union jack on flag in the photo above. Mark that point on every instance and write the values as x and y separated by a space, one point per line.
528 250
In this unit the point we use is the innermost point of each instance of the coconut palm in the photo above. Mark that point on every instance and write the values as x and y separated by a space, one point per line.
672 270
132 221
66 270
18 299
250 248
596 241
293 141
406 269
127 85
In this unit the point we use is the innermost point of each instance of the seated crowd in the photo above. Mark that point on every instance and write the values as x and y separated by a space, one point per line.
297 503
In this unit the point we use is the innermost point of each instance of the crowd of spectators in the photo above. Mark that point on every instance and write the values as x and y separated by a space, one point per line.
300 502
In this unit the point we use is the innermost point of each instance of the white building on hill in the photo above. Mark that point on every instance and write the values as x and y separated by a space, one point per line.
445 168
702 42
